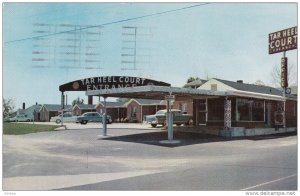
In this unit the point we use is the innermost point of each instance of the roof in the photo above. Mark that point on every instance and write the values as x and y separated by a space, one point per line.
195 83
54 107
251 87
149 102
33 108
294 90
114 104
85 106
154 92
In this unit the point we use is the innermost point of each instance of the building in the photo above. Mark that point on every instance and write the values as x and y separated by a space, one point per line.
49 110
79 109
252 106
137 109
117 110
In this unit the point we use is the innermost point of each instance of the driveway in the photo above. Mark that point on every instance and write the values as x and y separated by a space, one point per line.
132 158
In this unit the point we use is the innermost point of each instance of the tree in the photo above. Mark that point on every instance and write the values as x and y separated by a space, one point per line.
259 82
276 75
8 107
77 101
191 79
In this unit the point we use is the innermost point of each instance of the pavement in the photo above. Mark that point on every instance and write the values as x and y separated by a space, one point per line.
133 158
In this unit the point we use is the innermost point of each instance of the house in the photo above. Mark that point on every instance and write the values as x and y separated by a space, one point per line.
137 109
117 110
79 109
32 112
252 106
49 110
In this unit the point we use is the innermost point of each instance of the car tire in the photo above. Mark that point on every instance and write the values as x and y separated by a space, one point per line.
164 123
58 121
84 122
28 120
153 125
189 122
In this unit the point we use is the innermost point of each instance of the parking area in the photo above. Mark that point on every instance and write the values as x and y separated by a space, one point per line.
132 158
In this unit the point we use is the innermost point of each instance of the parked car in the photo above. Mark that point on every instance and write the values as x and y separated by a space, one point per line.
67 117
92 117
9 119
178 118
21 118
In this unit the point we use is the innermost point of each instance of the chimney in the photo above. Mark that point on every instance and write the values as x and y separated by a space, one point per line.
239 81
90 100
23 106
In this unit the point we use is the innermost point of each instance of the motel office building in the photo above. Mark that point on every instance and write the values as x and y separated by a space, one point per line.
252 106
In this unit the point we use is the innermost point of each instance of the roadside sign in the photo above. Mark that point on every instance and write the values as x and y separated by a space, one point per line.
284 79
283 40
288 91
170 97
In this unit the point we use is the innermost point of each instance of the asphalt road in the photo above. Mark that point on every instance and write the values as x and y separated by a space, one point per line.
134 159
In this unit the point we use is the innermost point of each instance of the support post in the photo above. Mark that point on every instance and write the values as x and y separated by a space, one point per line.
62 108
104 127
284 88
169 121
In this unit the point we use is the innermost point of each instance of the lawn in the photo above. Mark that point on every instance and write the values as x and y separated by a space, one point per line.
23 128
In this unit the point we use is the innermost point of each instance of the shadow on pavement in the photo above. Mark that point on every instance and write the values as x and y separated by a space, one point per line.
155 138
186 138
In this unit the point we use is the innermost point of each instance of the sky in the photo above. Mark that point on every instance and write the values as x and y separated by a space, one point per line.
174 42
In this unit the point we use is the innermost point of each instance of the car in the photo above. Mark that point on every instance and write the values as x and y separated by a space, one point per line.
67 117
92 117
21 118
179 118
9 119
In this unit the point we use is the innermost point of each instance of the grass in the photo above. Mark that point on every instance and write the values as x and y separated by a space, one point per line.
22 128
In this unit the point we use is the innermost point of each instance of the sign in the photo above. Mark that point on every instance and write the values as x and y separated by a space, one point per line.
284 79
279 116
227 114
283 40
108 82
170 97
288 91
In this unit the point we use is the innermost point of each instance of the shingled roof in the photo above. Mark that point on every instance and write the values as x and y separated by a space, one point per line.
85 106
251 87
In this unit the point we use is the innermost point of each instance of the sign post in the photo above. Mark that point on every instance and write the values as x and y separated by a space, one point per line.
282 41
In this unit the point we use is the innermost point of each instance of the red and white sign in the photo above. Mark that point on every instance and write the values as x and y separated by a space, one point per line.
283 40
284 71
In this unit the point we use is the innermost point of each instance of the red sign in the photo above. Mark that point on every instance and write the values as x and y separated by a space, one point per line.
284 71
283 40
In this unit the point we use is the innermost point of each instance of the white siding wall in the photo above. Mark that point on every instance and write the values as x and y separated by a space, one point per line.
220 85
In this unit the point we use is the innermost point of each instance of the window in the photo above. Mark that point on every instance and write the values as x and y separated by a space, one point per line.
216 110
250 110
183 107
133 111
214 87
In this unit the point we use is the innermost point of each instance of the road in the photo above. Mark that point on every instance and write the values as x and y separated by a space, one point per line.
134 159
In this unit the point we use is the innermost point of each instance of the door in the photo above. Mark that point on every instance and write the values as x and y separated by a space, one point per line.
202 111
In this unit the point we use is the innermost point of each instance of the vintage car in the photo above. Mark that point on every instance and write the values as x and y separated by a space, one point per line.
92 117
21 118
178 118
67 117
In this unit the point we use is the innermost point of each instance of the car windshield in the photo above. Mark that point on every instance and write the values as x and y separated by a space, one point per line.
160 112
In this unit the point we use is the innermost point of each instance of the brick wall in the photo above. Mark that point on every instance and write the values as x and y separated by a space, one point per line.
179 104
291 113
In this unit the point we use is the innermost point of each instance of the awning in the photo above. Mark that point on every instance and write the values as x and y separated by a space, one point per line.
155 92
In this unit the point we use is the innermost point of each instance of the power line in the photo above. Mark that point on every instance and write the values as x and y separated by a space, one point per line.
109 23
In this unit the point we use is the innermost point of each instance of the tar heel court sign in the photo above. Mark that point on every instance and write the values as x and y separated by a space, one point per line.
108 82
283 40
